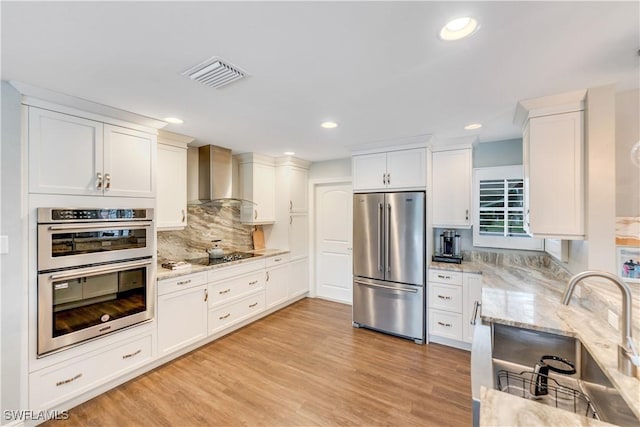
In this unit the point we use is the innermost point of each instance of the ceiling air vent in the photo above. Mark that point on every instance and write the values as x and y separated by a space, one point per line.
215 72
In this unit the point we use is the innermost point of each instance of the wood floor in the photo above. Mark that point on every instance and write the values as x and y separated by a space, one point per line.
302 366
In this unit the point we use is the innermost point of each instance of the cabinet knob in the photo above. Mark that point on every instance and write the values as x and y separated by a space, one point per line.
107 183
99 181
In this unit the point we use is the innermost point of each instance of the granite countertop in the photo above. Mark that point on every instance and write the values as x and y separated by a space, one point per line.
526 292
164 273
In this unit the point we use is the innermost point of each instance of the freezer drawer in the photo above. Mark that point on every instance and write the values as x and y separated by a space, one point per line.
389 307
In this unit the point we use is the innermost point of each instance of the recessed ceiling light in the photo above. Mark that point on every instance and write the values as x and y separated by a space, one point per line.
473 126
458 28
289 153
329 125
173 120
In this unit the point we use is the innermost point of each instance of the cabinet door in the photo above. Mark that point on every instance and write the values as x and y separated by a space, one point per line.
299 278
129 159
298 236
406 169
525 182
298 182
472 285
264 181
182 318
556 176
65 154
172 187
369 171
276 283
452 188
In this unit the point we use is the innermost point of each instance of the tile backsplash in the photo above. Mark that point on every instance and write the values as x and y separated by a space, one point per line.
205 224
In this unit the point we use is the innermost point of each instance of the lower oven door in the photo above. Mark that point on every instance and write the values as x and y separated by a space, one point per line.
79 304
389 307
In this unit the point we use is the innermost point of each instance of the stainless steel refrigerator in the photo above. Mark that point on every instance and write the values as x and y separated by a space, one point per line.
389 263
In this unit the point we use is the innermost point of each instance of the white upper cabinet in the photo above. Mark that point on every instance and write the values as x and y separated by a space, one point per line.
452 188
298 181
73 155
392 170
553 160
257 184
171 201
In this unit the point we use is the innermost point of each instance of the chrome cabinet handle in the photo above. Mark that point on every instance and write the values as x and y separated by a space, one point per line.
290 220
184 282
290 205
277 260
255 214
446 325
267 276
226 291
441 276
99 181
527 219
135 353
466 215
384 178
253 283
225 316
444 297
388 178
206 295
476 306
184 216
63 382
253 305
107 178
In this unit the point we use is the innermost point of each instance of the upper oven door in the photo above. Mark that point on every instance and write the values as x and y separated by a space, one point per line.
77 244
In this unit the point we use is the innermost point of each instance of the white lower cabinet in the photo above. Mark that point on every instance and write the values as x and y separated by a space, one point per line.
52 386
230 314
453 299
299 278
277 280
182 312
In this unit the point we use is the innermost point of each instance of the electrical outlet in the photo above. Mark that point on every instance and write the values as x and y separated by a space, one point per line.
612 318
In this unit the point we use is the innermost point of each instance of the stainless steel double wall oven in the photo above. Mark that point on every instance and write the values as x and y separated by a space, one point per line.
95 273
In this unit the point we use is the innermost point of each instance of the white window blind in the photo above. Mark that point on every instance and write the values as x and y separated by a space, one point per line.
498 194
501 207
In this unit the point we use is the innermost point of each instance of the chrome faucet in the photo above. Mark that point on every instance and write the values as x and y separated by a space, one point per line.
626 350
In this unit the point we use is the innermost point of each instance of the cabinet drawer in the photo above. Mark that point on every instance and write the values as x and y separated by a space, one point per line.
445 324
181 282
445 297
277 260
227 315
57 384
445 276
229 271
234 288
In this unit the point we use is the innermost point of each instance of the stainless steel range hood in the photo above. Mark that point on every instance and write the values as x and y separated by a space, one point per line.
214 176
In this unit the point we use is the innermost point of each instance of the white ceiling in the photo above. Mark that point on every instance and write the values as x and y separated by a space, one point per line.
377 68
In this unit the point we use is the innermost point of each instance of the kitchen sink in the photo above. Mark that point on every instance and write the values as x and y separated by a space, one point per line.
515 352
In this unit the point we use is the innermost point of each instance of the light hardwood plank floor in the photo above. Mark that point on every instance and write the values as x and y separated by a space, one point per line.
302 366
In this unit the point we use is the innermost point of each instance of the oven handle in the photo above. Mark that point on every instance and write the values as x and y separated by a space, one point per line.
96 271
104 225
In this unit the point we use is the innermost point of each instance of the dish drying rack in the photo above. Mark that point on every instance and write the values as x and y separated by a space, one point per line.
523 383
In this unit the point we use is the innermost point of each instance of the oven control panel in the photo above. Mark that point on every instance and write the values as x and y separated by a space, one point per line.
72 214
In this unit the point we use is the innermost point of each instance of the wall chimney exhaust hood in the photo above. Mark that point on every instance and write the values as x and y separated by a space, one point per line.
215 173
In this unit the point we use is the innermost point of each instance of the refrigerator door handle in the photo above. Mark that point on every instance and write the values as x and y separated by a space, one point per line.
380 213
386 238
375 285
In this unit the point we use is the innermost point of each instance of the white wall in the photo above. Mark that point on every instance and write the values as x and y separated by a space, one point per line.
337 168
627 134
12 275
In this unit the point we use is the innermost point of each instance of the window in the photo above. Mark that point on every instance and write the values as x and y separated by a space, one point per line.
499 209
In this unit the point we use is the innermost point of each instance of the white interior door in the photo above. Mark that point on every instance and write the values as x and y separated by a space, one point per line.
333 217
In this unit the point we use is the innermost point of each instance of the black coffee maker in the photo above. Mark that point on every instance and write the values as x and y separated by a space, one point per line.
449 248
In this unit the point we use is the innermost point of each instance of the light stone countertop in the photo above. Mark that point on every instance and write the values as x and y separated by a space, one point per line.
526 292
164 273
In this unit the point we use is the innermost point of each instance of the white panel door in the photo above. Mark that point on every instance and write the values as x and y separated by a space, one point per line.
65 154
334 216
277 284
298 181
452 188
298 236
182 318
129 156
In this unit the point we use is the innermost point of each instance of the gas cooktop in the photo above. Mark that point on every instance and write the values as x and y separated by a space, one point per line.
230 257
